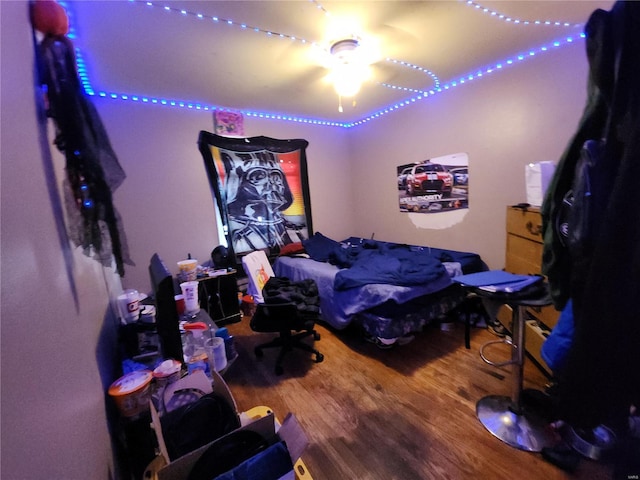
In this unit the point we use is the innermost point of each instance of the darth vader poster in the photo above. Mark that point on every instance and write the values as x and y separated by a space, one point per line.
261 188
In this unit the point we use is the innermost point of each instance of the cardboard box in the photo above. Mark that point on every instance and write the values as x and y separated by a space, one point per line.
196 381
259 419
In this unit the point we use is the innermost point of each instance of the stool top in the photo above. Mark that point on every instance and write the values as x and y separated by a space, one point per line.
538 296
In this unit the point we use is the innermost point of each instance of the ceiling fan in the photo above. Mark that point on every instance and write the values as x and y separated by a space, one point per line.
349 68
356 42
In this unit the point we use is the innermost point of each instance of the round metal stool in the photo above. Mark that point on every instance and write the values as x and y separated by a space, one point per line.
506 417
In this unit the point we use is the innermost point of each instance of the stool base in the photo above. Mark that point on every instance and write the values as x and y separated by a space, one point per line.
524 431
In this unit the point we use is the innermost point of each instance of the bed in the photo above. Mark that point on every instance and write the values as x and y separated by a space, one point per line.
389 289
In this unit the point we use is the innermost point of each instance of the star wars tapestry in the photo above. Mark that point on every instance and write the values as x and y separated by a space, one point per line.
261 188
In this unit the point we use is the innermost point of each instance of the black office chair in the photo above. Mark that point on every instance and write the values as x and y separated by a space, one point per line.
285 307
284 319
282 306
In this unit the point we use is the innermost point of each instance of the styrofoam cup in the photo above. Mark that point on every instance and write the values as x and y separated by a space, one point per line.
129 305
190 292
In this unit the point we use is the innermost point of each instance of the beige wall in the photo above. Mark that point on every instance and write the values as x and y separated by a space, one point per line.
526 113
57 327
166 202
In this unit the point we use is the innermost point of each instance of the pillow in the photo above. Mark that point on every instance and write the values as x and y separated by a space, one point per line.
292 249
320 248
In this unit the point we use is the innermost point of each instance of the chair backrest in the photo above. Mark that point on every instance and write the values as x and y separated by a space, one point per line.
258 269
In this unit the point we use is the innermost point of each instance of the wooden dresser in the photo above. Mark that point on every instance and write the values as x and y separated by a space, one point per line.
524 256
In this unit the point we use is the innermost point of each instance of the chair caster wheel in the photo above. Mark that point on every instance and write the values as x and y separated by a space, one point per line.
279 370
319 357
258 352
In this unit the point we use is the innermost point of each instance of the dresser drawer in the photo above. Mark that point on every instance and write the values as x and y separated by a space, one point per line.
534 337
535 334
505 316
546 315
523 256
525 223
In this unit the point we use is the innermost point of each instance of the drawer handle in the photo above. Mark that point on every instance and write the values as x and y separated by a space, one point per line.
534 229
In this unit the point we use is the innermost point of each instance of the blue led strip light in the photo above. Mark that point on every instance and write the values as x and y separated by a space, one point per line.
320 7
517 21
223 21
71 34
483 72
421 94
436 80
493 13
81 66
205 107
84 78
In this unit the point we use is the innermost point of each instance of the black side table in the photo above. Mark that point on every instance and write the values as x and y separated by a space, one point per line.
506 417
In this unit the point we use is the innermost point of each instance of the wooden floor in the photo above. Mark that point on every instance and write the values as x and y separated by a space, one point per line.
405 413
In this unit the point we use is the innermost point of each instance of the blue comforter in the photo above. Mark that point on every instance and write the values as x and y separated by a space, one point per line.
364 262
395 266
339 307
353 276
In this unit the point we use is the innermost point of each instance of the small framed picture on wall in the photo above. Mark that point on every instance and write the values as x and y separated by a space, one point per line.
228 123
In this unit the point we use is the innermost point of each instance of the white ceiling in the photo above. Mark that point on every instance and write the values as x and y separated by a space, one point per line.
166 51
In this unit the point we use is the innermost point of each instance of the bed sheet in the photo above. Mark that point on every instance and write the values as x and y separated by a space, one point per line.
392 321
338 307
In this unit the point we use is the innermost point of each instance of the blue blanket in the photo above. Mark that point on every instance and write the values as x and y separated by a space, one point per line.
364 262
339 307
356 275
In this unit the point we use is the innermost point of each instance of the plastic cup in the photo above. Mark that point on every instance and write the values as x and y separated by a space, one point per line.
129 305
214 347
188 270
190 292
180 304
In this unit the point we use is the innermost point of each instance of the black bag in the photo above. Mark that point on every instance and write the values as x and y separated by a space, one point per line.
193 425
577 216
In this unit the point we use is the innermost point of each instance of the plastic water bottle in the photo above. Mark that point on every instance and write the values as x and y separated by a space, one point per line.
229 347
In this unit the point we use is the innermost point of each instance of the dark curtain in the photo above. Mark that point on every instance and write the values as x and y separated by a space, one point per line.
92 168
602 376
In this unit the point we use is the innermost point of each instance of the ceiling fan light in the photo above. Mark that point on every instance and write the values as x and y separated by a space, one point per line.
343 49
347 85
348 71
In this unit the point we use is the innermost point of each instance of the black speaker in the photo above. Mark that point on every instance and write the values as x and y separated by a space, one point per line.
219 297
220 257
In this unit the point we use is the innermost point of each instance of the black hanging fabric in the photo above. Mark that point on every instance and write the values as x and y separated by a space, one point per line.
92 168
601 379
